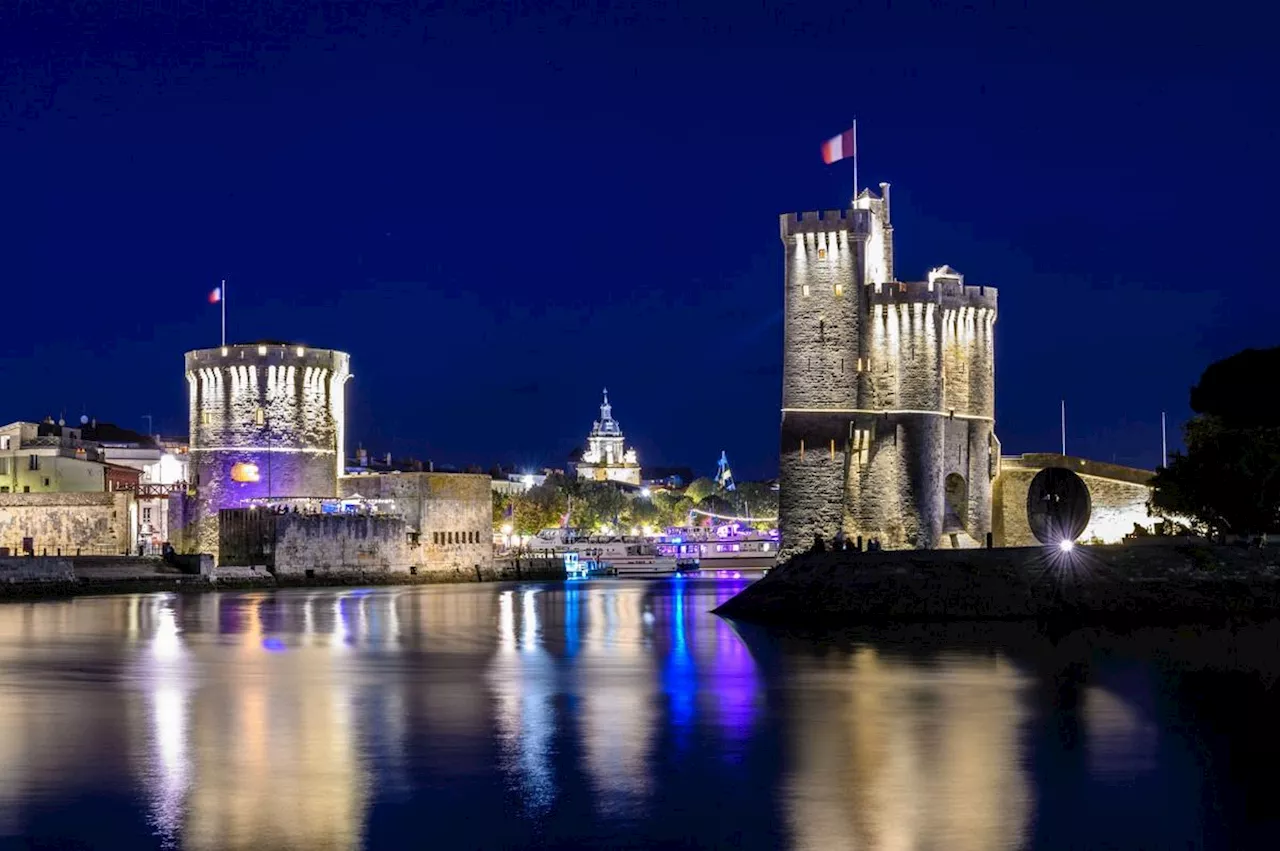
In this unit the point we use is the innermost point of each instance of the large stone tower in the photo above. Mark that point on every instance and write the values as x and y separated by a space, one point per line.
887 390
266 421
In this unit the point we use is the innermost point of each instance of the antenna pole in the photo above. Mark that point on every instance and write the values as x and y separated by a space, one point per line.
1164 444
223 293
1064 426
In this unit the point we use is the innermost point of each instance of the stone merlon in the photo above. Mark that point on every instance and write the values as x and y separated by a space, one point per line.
825 221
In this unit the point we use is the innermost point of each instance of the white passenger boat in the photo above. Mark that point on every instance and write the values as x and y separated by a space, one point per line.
723 550
621 555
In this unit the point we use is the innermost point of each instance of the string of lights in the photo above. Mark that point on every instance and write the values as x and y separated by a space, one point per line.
712 514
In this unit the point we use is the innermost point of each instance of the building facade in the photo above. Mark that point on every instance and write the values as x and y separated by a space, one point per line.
607 458
266 422
161 471
888 390
49 457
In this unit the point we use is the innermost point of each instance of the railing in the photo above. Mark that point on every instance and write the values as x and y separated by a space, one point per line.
16 549
154 491
54 440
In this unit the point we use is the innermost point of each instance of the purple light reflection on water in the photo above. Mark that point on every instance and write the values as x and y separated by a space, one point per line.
680 677
735 686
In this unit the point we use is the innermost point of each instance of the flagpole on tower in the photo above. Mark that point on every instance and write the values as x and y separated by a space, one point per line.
855 160
222 297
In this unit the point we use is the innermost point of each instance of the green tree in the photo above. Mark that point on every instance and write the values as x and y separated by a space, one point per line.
1228 481
672 508
501 504
597 504
538 508
642 512
755 499
700 489
718 503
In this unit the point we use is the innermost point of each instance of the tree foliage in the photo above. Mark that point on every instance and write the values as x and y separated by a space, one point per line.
756 499
700 489
672 508
538 508
593 506
598 505
501 509
1228 481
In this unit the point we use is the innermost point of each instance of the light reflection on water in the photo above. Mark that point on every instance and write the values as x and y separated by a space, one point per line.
603 714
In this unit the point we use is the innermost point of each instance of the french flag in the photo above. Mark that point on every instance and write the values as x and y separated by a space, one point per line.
839 147
215 296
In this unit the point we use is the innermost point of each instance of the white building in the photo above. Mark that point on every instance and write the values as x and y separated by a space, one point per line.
164 470
517 483
47 458
606 458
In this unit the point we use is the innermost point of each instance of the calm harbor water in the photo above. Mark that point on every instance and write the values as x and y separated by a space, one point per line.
616 714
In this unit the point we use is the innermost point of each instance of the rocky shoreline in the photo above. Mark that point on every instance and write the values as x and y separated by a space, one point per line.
1141 583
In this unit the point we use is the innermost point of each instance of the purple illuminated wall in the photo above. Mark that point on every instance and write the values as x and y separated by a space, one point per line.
265 421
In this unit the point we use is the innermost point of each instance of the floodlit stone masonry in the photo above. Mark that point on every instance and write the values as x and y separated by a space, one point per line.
1118 496
266 421
888 390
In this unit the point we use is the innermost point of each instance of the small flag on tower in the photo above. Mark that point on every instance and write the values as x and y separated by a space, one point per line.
839 147
215 296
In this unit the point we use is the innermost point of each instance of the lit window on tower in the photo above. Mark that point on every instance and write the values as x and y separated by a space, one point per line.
861 447
804 290
260 416
839 290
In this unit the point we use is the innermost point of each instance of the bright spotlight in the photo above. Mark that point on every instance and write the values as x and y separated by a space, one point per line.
644 492
1066 545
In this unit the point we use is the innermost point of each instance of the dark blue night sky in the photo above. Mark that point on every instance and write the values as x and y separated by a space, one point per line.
498 212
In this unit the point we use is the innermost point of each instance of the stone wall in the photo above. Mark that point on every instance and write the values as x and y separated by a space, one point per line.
812 475
35 570
323 544
337 543
1118 494
97 523
451 512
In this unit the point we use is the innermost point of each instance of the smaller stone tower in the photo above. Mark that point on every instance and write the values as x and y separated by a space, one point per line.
266 421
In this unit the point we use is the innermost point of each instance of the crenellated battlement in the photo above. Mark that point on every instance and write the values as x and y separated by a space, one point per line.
946 293
825 221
